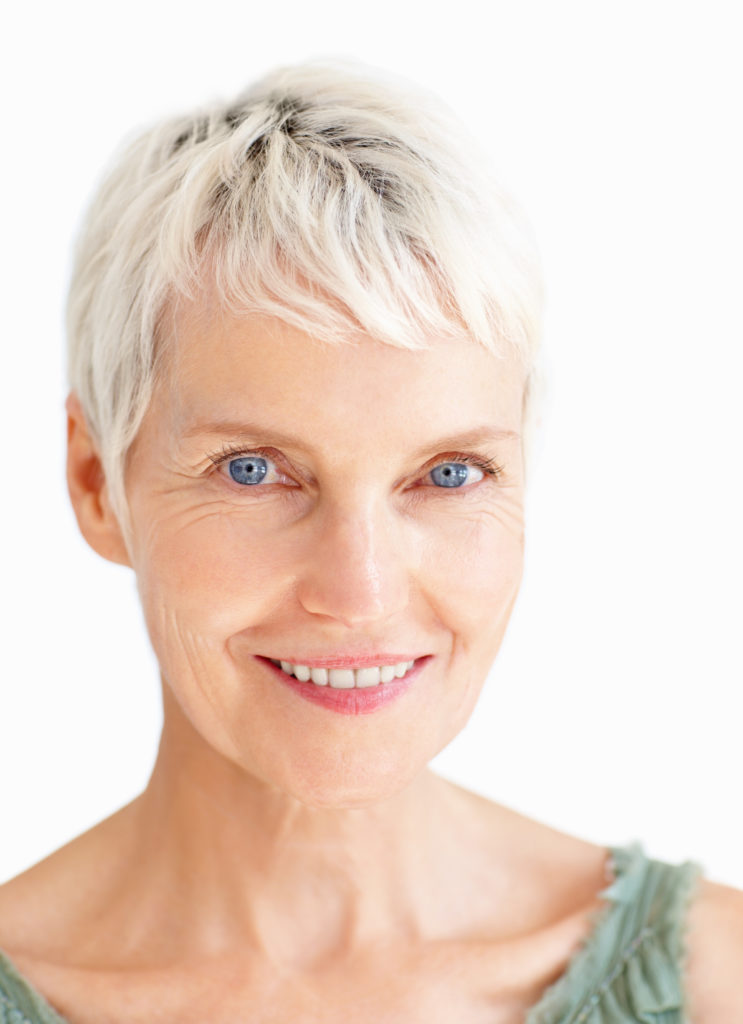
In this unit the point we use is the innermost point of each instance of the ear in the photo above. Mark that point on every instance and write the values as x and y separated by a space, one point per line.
88 491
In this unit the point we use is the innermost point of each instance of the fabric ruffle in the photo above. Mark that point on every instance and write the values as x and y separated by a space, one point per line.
19 1002
631 966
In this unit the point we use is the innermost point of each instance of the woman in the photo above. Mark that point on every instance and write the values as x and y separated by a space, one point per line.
303 336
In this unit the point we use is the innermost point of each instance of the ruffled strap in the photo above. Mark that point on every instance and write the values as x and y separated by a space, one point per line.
19 1002
631 967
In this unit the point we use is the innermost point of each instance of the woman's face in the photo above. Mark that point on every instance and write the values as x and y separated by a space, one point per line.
328 507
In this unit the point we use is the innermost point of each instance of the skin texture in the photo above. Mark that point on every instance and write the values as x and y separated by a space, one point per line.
282 855
352 551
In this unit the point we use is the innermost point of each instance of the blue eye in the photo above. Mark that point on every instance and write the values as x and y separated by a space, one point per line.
454 474
248 469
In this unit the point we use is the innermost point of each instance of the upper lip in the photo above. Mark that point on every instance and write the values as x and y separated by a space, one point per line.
347 660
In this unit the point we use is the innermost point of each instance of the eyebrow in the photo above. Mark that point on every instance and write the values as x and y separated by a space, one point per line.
469 439
230 428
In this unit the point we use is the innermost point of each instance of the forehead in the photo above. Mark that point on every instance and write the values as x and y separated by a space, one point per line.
229 369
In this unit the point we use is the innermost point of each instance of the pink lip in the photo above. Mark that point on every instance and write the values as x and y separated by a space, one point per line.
350 660
355 701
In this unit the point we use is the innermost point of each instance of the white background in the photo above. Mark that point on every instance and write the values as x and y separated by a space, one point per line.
614 710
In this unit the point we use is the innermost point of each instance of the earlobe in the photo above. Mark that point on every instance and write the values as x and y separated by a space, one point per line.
86 483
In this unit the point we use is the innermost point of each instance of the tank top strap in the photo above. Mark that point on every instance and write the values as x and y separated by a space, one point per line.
631 966
20 1003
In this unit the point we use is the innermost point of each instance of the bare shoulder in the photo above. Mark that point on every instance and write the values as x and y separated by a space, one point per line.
41 907
714 978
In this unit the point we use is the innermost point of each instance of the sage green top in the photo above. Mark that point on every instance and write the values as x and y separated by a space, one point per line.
629 969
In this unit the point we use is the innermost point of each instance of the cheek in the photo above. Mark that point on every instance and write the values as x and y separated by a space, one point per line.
210 573
474 580
475 570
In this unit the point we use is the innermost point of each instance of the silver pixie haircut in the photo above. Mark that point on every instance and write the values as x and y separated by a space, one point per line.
326 195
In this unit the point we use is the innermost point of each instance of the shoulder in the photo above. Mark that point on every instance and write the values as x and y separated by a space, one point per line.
714 944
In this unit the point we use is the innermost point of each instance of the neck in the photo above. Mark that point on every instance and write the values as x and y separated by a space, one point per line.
245 863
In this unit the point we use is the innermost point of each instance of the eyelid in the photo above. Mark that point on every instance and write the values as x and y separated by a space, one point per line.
228 452
489 466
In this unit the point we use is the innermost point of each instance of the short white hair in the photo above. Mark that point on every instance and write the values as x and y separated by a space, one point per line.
327 195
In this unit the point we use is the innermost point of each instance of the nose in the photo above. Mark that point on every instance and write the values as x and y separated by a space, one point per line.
356 570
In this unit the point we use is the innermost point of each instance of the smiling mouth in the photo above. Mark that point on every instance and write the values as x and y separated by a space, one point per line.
346 678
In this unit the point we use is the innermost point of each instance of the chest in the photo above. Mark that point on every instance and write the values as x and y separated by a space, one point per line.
469 985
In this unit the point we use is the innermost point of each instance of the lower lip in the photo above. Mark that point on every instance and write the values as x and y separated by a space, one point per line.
355 700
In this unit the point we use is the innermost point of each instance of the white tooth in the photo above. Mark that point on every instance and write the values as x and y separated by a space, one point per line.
367 676
287 667
410 664
341 678
302 673
387 673
319 676
401 669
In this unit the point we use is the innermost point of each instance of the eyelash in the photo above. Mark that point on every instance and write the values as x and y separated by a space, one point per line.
488 466
226 453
